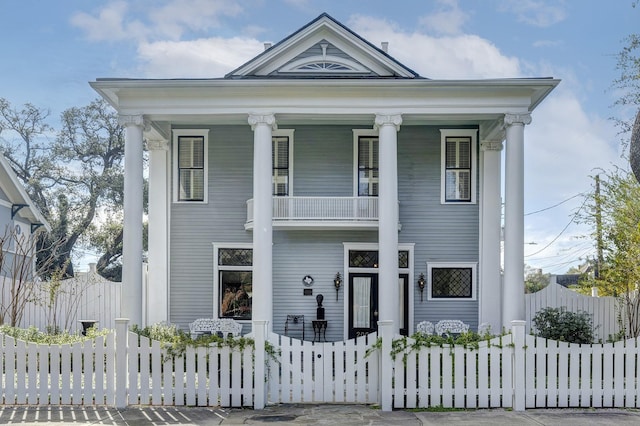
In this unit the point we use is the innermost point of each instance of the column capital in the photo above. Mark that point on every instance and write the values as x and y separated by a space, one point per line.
133 120
388 119
268 119
158 145
491 146
511 119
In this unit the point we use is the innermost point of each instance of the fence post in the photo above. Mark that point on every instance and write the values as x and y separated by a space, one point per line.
518 374
122 329
386 365
259 371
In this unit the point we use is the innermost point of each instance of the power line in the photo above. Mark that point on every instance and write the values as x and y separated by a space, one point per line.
563 229
555 205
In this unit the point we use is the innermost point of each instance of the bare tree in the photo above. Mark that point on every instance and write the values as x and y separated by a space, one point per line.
19 273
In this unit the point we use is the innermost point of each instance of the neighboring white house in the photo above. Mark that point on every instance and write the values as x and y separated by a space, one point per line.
325 166
20 220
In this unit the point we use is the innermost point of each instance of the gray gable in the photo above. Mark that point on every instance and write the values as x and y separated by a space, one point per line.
324 48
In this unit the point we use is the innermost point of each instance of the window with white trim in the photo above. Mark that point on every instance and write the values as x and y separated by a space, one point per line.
282 155
367 165
190 159
451 281
234 282
458 165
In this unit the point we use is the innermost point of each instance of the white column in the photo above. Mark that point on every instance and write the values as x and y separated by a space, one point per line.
262 309
513 290
388 126
490 230
132 237
158 280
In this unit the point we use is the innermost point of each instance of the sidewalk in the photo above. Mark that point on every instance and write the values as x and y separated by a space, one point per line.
309 414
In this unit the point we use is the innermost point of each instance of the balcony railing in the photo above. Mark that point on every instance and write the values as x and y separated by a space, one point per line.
355 212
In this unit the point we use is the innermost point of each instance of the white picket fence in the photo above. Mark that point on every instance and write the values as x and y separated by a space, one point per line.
323 372
602 309
515 371
123 368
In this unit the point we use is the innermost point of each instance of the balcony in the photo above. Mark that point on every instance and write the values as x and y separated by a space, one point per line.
321 213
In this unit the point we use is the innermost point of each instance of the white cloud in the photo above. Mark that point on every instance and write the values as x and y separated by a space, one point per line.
176 16
451 57
109 24
539 13
202 58
158 20
448 19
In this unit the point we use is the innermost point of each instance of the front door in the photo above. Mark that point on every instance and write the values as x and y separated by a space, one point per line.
363 311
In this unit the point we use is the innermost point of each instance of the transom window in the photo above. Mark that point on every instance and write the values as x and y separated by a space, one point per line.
235 282
190 172
458 169
369 259
451 281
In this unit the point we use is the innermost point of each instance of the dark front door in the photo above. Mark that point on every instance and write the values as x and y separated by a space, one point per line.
363 311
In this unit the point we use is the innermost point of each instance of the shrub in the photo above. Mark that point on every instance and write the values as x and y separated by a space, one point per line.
558 324
32 334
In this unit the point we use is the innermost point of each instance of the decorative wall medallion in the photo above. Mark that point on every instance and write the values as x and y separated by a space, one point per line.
307 280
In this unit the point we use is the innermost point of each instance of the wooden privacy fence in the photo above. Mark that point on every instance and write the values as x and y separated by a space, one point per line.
601 309
516 371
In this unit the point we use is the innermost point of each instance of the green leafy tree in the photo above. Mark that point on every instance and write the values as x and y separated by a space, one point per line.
72 175
535 280
615 210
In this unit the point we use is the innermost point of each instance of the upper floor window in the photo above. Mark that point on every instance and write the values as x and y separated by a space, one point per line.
458 165
282 154
190 171
367 166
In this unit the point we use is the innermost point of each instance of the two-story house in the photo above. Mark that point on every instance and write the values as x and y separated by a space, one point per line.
325 166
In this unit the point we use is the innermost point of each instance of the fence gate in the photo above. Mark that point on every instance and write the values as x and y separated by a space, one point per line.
323 372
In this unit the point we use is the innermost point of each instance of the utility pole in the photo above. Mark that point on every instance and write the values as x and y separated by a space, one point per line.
599 249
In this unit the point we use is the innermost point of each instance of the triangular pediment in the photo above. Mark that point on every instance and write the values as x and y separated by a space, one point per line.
324 48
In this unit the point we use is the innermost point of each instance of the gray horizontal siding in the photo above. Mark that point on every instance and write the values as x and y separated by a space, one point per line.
323 166
441 233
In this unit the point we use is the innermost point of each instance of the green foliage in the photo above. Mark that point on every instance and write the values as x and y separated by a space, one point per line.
469 339
535 280
617 208
558 324
176 341
32 334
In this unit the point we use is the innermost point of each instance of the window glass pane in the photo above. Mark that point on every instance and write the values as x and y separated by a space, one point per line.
451 282
403 259
458 169
191 152
363 259
235 257
464 153
361 302
368 166
235 294
191 184
280 157
191 168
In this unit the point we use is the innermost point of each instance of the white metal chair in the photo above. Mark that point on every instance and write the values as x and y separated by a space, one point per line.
447 327
425 327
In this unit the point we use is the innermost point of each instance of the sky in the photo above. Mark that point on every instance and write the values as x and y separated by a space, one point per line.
52 49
